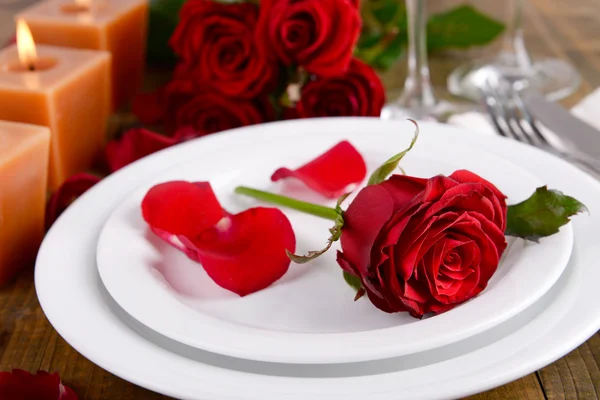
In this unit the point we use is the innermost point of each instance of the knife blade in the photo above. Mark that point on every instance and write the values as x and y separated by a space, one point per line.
566 126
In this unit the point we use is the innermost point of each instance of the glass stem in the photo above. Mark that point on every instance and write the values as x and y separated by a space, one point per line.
417 87
298 205
514 52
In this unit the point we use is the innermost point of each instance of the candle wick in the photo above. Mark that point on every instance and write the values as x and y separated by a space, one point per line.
32 67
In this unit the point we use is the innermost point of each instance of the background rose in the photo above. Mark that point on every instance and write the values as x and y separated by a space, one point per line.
424 245
211 112
218 46
358 92
172 97
318 35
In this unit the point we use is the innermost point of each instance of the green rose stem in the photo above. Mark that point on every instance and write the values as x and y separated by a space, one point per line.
298 205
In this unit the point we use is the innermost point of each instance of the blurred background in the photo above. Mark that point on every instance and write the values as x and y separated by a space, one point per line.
552 28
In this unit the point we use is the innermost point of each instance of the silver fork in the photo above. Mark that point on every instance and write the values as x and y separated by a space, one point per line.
511 119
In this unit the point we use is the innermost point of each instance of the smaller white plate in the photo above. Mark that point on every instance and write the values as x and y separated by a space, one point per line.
308 316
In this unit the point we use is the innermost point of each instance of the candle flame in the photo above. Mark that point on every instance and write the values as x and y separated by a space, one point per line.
25 45
83 3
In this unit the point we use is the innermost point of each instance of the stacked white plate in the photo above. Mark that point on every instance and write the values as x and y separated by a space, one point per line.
138 308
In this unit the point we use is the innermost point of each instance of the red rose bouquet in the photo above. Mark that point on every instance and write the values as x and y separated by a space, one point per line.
246 63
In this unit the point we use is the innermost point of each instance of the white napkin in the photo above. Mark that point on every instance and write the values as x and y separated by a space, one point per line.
588 110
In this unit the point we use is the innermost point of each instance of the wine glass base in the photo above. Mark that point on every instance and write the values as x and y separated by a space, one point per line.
554 78
440 111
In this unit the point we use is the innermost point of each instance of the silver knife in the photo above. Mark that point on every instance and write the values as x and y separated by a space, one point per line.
560 121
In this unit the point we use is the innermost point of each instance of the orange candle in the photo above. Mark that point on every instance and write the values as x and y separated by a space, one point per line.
117 26
67 90
24 153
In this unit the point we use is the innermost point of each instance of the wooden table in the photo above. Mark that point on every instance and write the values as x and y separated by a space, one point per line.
566 29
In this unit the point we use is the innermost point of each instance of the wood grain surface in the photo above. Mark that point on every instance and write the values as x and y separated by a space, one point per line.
556 28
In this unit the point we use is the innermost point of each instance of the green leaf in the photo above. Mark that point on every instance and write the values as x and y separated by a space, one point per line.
368 39
542 214
163 18
391 52
355 283
381 173
386 11
384 36
335 231
461 27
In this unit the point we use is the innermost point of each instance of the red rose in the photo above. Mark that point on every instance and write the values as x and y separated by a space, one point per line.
318 35
218 46
135 143
212 112
358 92
172 97
67 193
424 245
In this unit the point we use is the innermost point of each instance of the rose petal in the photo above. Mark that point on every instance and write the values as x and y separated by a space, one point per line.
186 133
403 188
133 145
332 174
67 193
245 252
364 218
147 107
177 243
21 385
181 208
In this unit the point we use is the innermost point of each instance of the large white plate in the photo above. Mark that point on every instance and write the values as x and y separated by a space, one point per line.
309 315
76 303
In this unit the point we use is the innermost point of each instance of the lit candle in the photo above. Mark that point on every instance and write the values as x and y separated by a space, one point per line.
117 26
24 152
67 90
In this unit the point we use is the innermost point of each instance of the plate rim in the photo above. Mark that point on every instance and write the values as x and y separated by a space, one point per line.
251 343
503 369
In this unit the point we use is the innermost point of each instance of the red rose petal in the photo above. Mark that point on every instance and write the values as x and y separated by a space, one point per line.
67 193
133 145
185 133
364 218
181 208
403 188
332 173
21 385
245 253
177 242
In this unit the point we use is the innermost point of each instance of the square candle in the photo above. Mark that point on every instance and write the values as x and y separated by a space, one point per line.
69 92
23 175
117 26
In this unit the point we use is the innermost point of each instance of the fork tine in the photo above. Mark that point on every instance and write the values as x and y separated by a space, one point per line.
506 113
529 118
490 103
511 113
488 99
518 113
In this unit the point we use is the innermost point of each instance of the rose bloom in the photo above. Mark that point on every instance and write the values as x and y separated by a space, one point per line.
318 35
218 46
424 245
186 105
358 92
212 112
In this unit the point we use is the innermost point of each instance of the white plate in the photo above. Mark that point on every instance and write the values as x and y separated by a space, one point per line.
309 316
76 303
